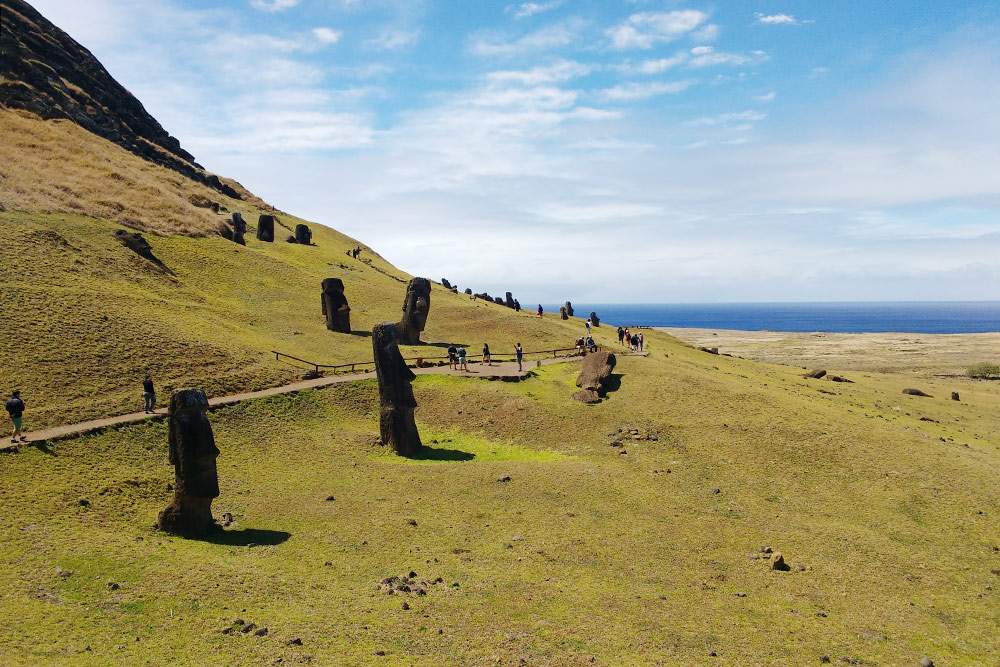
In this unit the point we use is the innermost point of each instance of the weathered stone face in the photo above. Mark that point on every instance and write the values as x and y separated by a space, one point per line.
594 376
569 309
303 234
335 308
265 228
415 309
594 319
396 424
562 313
239 228
193 454
509 300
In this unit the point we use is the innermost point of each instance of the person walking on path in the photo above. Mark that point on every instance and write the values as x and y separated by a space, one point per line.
621 336
641 341
628 337
452 357
148 395
486 354
539 310
461 359
588 326
15 407
520 354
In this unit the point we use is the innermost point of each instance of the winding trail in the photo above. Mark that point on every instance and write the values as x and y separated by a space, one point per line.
499 370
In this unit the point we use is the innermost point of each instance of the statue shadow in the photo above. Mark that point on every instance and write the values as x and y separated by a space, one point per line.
244 537
444 345
442 454
614 383
365 334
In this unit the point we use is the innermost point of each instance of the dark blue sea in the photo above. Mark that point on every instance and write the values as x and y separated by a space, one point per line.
941 317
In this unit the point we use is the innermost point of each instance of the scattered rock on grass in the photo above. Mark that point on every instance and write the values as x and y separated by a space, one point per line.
778 563
406 606
294 641
261 632
926 662
916 392
63 573
503 478
816 374
411 522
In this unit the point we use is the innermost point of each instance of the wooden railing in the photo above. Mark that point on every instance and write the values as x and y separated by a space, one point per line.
354 366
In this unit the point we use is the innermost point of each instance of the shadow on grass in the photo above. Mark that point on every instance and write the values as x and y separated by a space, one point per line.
43 447
614 383
362 333
247 536
442 454
444 345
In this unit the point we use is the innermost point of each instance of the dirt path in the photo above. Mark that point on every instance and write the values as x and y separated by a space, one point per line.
501 370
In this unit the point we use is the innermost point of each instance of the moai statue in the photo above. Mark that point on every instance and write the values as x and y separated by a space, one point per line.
338 313
415 308
594 319
445 283
396 424
569 309
303 235
509 300
517 306
562 312
265 228
239 228
193 454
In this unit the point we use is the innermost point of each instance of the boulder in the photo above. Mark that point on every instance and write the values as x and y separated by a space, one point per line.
916 392
777 562
265 228
468 290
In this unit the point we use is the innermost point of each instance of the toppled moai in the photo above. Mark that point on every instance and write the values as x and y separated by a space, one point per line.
415 309
562 313
303 234
569 309
192 453
396 424
265 228
595 376
140 246
445 283
239 228
335 308
594 319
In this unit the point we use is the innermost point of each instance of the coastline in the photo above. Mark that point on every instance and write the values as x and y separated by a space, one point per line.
920 355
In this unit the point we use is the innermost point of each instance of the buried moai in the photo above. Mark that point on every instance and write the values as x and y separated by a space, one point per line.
192 453
303 234
569 309
595 375
415 309
239 228
338 313
396 424
265 228
562 313
509 300
594 319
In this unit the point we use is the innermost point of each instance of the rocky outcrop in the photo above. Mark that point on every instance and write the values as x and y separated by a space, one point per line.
46 72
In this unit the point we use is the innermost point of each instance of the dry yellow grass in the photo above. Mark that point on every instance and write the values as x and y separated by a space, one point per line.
57 167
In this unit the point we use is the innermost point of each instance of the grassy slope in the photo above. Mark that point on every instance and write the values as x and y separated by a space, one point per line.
617 559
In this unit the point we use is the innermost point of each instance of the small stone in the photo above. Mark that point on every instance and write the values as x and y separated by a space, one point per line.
239 621
411 522
504 478
328 563
406 606
379 652
295 641
412 574
740 594
764 550
113 586
330 498
261 632
799 567
623 452
712 654
248 628
778 562
84 502
824 659
227 631
926 662
716 491
63 573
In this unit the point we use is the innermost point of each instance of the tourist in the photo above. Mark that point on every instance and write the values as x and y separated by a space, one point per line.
588 325
579 343
628 337
539 310
591 345
452 357
621 336
640 341
486 354
519 353
461 359
149 395
15 406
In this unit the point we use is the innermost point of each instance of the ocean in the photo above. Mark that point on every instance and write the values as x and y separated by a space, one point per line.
938 317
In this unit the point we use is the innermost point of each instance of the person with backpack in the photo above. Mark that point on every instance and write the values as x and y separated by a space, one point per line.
519 353
461 359
148 395
15 408
621 336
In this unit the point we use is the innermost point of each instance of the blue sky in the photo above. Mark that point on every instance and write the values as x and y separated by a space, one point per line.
633 151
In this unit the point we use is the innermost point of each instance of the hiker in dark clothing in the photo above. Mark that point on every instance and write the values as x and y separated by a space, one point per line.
15 407
149 395
486 354
621 336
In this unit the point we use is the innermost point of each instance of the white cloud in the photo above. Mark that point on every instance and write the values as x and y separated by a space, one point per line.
726 118
562 70
775 19
526 9
705 56
653 66
644 30
767 97
273 5
542 97
326 35
393 40
628 92
699 50
493 44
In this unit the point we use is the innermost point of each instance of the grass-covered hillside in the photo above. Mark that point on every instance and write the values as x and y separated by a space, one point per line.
588 555
86 318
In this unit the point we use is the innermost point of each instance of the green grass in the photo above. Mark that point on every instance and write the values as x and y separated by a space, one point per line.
585 552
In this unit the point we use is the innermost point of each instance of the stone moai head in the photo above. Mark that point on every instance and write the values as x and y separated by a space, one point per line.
569 309
192 445
303 234
265 228
562 313
394 376
415 309
595 319
335 308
